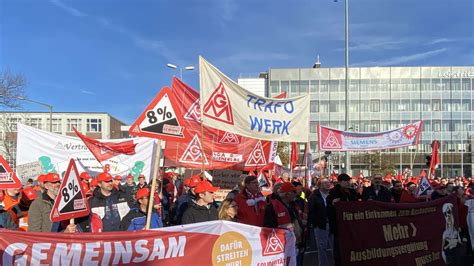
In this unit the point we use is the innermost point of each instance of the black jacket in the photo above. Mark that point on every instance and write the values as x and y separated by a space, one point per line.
384 194
318 213
98 202
196 214
343 194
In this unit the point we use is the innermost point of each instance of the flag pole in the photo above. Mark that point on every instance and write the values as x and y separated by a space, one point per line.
291 160
153 184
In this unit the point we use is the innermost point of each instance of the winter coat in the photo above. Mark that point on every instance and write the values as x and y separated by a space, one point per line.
384 194
343 194
6 220
111 218
318 212
248 212
39 213
196 214
136 220
130 192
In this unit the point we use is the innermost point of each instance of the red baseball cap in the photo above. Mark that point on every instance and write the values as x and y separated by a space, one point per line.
94 182
129 176
29 193
117 177
141 176
187 182
85 176
52 178
143 192
40 178
104 177
205 186
195 180
287 187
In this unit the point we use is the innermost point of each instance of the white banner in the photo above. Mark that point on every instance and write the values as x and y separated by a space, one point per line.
331 139
53 152
229 107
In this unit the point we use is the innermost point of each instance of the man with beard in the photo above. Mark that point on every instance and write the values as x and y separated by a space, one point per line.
377 191
40 208
397 191
108 203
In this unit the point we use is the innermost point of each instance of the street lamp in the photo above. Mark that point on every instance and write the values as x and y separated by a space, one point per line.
346 112
50 108
180 69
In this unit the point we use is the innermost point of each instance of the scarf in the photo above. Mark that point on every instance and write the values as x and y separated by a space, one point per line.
254 198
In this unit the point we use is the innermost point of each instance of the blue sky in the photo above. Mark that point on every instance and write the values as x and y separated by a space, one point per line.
110 56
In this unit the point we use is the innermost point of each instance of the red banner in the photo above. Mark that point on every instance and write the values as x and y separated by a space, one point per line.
213 149
378 233
210 243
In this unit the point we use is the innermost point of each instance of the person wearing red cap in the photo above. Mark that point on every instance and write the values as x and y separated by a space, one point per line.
85 177
281 213
11 198
40 208
117 180
251 203
108 203
377 191
19 212
183 202
141 182
202 209
136 218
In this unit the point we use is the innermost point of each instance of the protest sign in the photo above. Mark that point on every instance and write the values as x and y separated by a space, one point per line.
53 152
337 140
379 233
71 201
8 178
161 119
227 106
28 170
209 243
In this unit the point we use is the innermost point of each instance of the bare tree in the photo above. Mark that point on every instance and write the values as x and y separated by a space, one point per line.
11 88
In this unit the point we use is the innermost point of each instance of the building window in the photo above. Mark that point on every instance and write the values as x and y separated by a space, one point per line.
285 86
57 125
12 124
324 107
324 86
34 122
436 125
436 105
334 106
466 84
275 86
304 85
375 126
314 107
94 125
313 127
294 87
313 86
74 122
375 105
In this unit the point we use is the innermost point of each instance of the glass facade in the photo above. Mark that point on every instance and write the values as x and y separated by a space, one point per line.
383 98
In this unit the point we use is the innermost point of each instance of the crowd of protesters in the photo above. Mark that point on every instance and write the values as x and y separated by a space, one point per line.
308 211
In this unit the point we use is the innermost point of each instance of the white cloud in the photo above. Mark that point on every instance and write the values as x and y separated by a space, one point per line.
87 92
68 9
401 59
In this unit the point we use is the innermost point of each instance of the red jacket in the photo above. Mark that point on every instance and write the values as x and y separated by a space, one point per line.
249 213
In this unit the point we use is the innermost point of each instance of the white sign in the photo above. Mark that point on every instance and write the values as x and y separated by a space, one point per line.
53 152
229 107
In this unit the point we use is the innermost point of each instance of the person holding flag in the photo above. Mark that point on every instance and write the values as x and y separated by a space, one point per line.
40 208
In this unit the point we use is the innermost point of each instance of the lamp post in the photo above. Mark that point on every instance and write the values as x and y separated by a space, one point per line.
180 69
346 111
50 109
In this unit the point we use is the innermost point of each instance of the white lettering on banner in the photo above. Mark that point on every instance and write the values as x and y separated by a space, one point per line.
94 252
227 157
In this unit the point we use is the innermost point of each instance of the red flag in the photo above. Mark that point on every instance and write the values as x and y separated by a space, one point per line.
434 158
423 173
294 154
281 96
106 150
